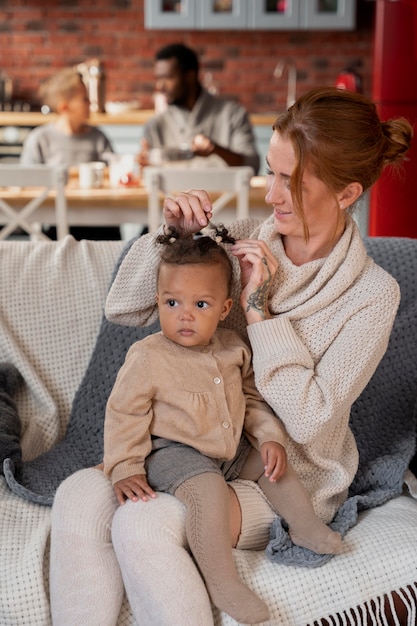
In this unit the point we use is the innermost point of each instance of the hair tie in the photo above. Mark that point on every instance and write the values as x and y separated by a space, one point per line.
170 235
222 234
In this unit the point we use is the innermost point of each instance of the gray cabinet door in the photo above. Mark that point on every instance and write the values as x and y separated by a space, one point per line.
274 15
170 14
250 14
328 14
222 14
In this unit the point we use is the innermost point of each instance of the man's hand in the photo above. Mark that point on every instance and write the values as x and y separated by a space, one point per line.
202 146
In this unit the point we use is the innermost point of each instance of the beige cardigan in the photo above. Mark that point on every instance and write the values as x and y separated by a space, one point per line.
331 325
203 397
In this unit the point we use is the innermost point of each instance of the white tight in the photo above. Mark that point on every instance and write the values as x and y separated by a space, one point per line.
85 580
162 582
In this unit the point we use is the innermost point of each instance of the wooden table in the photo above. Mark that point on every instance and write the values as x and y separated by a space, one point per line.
115 206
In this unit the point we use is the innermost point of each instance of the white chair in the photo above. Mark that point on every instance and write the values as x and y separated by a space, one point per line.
41 179
229 182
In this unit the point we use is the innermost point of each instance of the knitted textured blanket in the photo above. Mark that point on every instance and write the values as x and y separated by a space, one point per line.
38 479
383 419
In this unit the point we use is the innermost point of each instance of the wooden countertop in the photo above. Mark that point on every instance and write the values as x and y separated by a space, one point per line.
9 118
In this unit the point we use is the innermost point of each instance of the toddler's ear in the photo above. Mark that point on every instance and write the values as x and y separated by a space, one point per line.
226 308
10 424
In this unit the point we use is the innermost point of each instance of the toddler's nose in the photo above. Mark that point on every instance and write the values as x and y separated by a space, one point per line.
186 314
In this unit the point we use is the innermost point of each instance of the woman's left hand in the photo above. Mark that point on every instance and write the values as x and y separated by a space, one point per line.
257 266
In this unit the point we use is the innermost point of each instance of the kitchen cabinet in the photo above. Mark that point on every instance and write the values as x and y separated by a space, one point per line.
170 15
196 14
250 14
328 14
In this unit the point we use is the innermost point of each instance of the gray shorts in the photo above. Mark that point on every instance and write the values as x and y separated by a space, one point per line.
171 463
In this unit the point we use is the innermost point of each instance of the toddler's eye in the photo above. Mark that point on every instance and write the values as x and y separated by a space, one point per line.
268 171
171 302
201 304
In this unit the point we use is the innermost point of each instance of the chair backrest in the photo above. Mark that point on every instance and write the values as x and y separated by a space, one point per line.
42 179
227 182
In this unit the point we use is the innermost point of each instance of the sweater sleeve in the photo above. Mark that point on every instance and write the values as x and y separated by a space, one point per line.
31 151
260 424
131 300
306 393
127 439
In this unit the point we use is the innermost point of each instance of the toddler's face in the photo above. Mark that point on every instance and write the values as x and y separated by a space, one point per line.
192 299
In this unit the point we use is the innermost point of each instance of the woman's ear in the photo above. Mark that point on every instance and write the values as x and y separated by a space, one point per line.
349 195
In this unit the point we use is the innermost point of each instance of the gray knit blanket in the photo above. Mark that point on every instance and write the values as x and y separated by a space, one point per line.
383 419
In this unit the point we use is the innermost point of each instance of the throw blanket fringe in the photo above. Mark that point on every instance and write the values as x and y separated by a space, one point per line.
374 611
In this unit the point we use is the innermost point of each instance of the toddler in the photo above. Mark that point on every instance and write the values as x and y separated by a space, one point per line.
181 403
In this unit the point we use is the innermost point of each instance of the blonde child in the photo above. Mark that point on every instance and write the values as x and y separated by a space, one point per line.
176 415
68 140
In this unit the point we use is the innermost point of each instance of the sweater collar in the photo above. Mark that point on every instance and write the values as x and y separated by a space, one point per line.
305 289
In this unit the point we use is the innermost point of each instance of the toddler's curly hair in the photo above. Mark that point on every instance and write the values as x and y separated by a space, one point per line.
195 251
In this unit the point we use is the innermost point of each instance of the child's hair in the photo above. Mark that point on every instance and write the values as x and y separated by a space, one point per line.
199 250
61 86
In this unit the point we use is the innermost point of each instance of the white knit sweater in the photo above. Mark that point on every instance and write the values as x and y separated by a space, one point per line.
331 325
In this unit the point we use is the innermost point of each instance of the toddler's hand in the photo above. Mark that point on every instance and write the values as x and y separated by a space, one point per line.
133 488
274 458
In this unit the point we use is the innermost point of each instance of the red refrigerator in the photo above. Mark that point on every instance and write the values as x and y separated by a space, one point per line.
393 201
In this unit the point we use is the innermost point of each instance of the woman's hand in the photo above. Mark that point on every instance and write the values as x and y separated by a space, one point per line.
189 211
257 266
274 458
133 488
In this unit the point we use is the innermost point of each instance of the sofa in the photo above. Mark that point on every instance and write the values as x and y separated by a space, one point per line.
52 329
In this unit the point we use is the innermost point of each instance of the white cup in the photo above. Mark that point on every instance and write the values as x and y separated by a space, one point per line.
91 175
120 165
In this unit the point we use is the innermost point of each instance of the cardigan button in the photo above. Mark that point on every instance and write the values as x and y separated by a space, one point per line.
225 424
217 380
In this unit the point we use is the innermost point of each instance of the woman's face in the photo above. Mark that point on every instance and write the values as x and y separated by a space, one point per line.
320 206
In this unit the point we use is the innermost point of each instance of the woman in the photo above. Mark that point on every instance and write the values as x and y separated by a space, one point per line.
317 313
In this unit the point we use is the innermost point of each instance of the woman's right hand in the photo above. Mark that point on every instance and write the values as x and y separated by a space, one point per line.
189 211
257 268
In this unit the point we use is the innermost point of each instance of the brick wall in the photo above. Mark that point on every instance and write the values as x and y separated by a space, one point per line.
39 37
